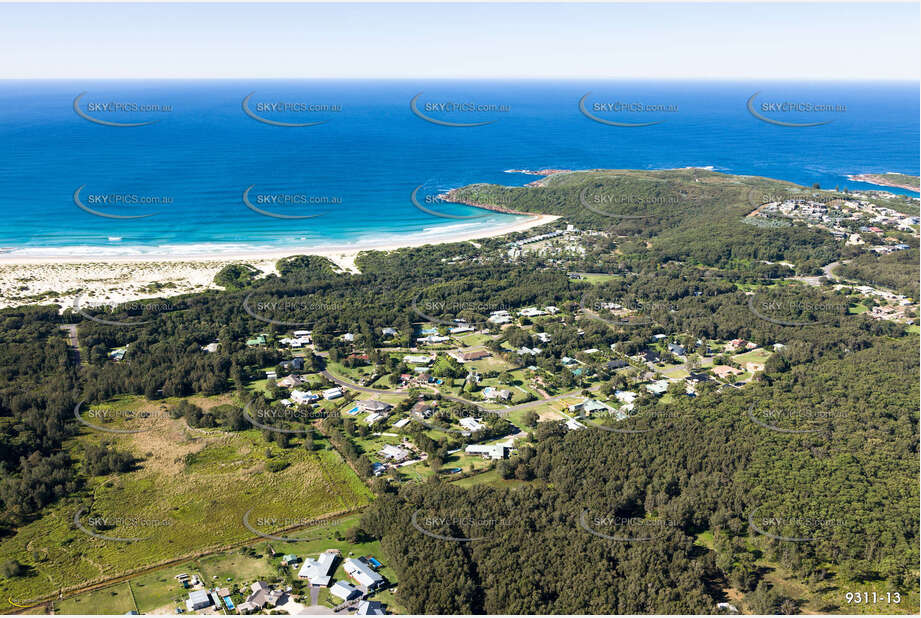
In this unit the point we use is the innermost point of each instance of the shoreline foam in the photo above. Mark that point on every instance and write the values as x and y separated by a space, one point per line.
60 279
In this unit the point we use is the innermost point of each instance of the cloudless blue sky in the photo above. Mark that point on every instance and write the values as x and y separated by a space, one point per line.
715 41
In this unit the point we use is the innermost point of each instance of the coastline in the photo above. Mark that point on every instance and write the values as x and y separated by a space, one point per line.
56 279
881 180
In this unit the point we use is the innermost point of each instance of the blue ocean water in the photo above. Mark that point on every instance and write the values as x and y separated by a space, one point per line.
358 168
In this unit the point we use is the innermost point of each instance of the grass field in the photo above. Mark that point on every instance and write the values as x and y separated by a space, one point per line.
758 355
113 600
188 493
159 591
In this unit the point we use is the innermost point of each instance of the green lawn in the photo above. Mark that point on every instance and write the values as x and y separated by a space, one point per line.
159 588
758 355
113 600
189 491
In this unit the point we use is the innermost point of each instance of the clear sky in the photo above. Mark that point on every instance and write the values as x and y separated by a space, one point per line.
714 41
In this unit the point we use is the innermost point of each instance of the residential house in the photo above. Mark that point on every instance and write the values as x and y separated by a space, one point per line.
470 423
676 349
363 574
257 340
573 424
431 339
418 359
423 409
394 453
371 405
526 350
198 599
211 348
318 571
370 608
387 331
375 417
615 364
290 381
651 356
725 371
499 317
530 312
463 356
332 393
658 387
494 393
304 397
295 364
461 328
400 424
289 560
487 451
344 590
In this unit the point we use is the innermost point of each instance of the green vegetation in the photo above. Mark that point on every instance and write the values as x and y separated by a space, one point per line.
702 468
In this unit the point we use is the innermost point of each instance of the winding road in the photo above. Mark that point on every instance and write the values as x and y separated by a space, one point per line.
522 406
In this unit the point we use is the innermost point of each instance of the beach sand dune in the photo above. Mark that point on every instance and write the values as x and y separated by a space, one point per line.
27 280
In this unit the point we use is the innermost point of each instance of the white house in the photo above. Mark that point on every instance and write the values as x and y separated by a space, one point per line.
471 423
530 312
395 453
344 590
488 451
198 599
332 393
317 571
362 573
304 397
370 608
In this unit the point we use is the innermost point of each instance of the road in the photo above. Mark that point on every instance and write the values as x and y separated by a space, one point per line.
73 341
522 406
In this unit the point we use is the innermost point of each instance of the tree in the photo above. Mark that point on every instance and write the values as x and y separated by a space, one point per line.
530 418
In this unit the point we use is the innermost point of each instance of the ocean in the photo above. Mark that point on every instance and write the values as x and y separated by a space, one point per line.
350 172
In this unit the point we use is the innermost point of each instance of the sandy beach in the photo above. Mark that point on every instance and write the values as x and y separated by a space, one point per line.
57 279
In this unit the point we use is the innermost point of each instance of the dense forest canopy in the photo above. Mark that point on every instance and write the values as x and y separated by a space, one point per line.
703 465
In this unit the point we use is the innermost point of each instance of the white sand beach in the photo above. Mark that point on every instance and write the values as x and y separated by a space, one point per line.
60 279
